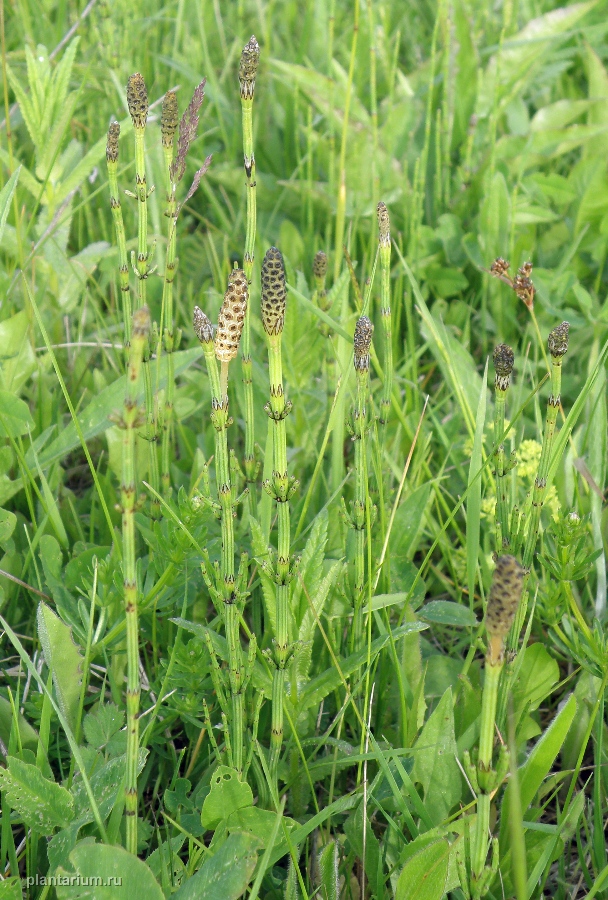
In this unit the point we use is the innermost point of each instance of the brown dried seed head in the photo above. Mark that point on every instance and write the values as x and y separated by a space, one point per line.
112 144
384 225
558 340
503 360
137 100
505 594
525 290
499 267
319 265
231 317
169 119
203 328
248 67
525 270
273 292
362 341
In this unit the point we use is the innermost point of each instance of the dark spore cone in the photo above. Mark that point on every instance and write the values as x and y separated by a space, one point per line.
362 342
248 67
137 100
505 594
319 265
558 340
274 292
112 143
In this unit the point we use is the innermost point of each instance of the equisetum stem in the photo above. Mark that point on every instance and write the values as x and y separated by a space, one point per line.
247 73
130 421
359 504
479 850
137 99
281 489
221 420
119 228
168 336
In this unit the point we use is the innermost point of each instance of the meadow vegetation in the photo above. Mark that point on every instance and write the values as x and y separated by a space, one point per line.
303 441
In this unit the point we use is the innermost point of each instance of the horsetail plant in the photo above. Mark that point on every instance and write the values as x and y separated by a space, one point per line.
228 592
281 486
503 602
503 364
131 419
362 341
137 101
175 167
384 243
248 67
119 226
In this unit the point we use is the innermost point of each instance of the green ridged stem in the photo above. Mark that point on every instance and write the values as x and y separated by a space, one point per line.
358 511
278 409
121 242
129 422
168 330
140 266
247 90
480 841
218 378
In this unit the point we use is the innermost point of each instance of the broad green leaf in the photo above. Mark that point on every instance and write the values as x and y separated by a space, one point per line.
226 875
6 196
424 875
328 868
474 488
446 612
94 418
260 822
106 782
27 735
344 803
16 354
15 417
539 762
354 830
435 766
63 659
228 793
537 675
8 520
42 804
10 889
102 724
106 873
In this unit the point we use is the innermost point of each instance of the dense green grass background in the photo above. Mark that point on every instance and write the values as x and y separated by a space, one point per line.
484 129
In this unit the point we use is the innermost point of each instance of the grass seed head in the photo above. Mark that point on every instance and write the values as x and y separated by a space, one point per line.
558 340
273 292
137 100
384 225
523 286
319 265
203 328
505 594
169 119
231 317
112 144
499 267
248 67
362 341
